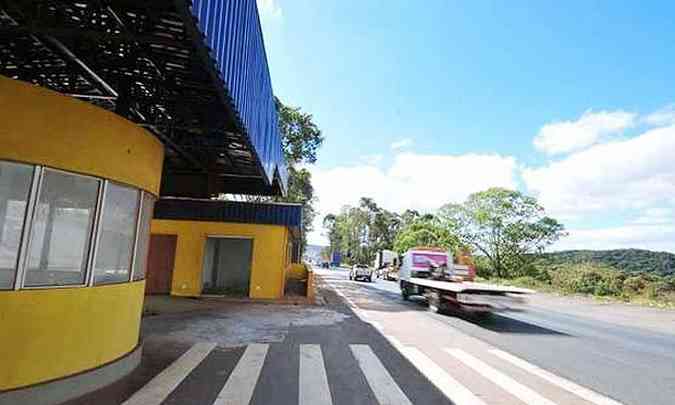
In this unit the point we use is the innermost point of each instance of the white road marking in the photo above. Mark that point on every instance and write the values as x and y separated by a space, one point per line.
160 387
451 388
507 383
395 342
239 387
383 386
313 382
576 389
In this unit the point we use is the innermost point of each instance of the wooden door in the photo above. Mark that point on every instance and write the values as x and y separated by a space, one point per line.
160 264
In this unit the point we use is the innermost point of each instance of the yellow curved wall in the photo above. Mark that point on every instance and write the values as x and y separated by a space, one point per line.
51 333
268 263
44 127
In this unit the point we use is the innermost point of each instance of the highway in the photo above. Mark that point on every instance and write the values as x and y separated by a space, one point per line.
555 351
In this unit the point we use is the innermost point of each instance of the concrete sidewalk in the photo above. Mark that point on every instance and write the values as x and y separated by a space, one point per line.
253 353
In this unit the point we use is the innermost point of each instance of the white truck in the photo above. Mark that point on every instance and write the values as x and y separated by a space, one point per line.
384 263
449 287
384 258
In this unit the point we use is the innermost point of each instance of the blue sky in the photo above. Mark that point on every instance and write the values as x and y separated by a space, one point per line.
422 103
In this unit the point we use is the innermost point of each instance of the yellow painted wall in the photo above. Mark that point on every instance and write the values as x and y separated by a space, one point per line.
41 126
52 333
268 262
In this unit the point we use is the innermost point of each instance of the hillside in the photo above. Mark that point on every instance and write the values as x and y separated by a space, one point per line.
628 260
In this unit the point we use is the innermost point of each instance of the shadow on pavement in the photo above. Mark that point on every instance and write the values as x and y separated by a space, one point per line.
504 324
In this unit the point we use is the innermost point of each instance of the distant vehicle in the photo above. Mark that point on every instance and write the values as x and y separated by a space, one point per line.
383 259
336 259
449 287
361 272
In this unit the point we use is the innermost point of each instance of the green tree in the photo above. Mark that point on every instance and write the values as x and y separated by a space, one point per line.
505 226
359 232
300 139
427 231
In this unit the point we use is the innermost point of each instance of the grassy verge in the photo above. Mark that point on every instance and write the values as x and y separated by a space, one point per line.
597 281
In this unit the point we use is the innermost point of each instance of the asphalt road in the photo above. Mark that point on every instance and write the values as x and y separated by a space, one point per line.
567 351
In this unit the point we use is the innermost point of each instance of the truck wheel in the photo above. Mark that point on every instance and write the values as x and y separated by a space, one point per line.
404 292
436 304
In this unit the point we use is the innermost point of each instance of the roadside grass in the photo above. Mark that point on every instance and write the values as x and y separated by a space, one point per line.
601 282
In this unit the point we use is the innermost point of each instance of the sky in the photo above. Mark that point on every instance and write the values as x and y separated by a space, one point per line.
424 103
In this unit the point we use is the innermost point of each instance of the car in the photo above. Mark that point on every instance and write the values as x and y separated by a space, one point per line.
361 272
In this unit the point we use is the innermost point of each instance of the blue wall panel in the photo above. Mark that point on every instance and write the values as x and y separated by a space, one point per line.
232 31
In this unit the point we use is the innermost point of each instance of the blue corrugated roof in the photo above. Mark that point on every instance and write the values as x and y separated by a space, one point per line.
232 31
289 215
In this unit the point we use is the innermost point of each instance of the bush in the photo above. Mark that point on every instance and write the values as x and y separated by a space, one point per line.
526 281
482 267
588 279
634 285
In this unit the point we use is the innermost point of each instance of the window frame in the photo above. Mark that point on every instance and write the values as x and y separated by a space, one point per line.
27 219
94 234
91 281
135 256
29 231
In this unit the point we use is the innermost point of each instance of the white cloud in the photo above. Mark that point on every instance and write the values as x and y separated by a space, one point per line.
590 128
655 216
401 143
422 182
633 174
651 237
372 160
662 117
269 9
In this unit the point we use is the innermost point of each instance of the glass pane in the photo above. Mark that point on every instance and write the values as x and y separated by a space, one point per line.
15 182
144 237
118 229
61 232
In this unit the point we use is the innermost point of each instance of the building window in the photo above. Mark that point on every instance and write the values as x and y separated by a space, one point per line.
117 233
140 263
62 229
15 182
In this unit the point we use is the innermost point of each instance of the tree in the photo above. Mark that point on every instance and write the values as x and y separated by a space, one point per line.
301 137
426 231
300 140
504 225
359 232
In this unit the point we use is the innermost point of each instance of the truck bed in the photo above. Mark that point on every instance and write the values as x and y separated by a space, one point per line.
466 286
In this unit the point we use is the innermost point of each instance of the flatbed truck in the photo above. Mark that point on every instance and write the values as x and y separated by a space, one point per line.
449 287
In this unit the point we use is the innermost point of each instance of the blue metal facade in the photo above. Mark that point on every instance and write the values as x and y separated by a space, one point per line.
232 31
289 215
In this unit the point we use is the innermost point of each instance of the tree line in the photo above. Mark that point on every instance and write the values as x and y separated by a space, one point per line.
502 228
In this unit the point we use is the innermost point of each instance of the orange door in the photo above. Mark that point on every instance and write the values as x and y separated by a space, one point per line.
160 264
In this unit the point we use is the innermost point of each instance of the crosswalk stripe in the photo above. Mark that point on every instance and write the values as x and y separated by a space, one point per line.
380 381
159 388
580 391
451 388
239 387
507 383
313 382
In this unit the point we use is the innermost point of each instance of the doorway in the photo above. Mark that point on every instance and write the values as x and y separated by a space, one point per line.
161 255
227 266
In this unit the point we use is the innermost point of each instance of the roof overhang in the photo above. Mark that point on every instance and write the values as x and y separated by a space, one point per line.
187 209
193 73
